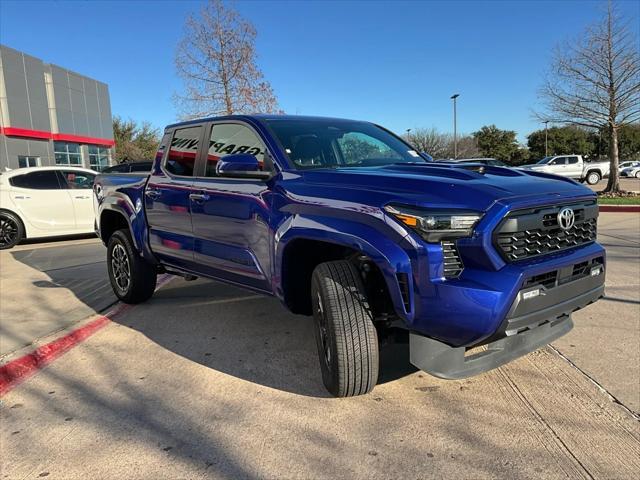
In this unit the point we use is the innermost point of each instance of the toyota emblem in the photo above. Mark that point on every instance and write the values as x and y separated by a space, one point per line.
566 218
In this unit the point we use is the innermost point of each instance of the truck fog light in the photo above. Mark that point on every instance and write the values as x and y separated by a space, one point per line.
531 294
595 271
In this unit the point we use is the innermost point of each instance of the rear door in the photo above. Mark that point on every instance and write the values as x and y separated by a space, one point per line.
167 197
79 185
574 167
43 203
231 216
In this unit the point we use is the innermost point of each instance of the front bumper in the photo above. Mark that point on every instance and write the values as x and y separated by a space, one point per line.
540 313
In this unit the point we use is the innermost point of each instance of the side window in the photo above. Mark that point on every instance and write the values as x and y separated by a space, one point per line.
76 180
229 138
43 180
572 160
559 161
357 147
183 151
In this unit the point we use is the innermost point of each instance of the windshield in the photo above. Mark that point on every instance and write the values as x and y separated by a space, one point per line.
544 160
326 143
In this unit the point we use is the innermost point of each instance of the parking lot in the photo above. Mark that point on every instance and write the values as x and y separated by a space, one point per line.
206 380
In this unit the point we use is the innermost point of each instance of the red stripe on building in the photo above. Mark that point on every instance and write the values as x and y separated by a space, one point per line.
65 137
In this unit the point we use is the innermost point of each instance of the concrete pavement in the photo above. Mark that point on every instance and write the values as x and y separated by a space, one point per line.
210 381
49 286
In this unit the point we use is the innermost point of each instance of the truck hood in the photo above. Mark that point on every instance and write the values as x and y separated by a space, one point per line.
444 186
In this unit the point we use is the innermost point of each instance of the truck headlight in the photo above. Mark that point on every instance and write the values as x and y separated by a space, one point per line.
433 225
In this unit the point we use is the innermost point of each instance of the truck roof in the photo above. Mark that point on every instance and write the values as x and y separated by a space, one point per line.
258 117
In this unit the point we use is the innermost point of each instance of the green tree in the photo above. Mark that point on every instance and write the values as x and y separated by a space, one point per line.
134 142
496 143
628 142
562 141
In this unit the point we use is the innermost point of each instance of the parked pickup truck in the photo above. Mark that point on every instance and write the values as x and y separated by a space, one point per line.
572 166
344 221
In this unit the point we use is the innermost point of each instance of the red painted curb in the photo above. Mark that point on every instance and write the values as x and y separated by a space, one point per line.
620 208
17 371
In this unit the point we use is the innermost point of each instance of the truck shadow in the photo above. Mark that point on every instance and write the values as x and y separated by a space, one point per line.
225 328
246 335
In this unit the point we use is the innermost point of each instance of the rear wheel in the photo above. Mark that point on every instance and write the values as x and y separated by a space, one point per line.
11 230
345 335
132 278
593 178
637 175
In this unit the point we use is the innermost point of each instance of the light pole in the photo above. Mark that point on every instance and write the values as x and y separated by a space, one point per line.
408 130
546 138
455 126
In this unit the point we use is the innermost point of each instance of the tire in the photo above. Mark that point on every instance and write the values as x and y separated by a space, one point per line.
11 230
593 178
133 279
345 335
637 175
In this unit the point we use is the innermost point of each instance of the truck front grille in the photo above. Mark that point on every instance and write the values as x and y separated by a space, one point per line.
453 265
534 232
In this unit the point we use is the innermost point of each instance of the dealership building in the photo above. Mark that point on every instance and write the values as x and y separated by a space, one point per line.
51 116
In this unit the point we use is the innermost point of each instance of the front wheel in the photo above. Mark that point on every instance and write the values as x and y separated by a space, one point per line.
11 230
345 335
133 279
593 178
637 175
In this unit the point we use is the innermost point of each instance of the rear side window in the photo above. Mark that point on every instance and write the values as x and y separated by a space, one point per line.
230 138
573 159
141 167
44 180
183 151
78 180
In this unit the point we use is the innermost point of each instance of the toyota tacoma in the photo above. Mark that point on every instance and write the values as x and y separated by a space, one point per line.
344 221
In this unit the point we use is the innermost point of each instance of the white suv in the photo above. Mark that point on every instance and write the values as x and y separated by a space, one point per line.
44 202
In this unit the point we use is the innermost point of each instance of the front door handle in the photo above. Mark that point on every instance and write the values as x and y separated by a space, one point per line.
152 193
198 197
82 196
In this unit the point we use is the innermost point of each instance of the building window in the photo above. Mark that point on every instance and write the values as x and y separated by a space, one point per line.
25 161
67 153
98 158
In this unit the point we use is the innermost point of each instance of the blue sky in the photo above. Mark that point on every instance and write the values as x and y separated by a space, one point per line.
395 63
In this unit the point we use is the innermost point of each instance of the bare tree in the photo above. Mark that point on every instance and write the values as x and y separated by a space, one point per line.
430 140
595 82
216 60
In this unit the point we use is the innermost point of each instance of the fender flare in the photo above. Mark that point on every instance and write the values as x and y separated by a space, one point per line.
134 216
387 254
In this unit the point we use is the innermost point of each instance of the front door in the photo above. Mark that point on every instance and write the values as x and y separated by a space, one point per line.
167 198
231 216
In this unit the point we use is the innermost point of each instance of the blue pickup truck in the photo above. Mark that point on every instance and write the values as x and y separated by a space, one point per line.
344 221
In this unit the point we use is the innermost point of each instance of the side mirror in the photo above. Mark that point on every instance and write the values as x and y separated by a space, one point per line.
241 165
426 156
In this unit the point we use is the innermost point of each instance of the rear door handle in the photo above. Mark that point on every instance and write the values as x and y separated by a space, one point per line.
82 196
152 193
198 197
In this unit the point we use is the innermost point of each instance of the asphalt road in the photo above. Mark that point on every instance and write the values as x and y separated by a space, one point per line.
210 381
629 184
